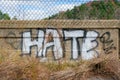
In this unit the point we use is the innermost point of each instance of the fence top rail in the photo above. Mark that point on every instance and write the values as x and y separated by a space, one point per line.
85 24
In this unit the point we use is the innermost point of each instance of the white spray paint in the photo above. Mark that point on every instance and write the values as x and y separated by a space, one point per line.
89 44
57 48
42 44
74 35
27 43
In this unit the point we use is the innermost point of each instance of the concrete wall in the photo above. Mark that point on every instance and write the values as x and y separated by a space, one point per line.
56 39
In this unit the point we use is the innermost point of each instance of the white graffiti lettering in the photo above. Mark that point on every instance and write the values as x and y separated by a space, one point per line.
51 38
27 43
74 35
89 45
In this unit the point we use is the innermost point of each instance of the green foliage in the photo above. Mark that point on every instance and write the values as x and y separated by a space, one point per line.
4 16
91 10
69 14
102 10
1 15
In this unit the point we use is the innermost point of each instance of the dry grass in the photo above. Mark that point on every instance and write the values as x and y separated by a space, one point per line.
106 67
14 67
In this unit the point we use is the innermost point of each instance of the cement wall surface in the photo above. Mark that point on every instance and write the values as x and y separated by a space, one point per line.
56 39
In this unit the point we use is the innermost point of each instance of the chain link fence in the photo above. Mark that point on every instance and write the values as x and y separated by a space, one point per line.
59 9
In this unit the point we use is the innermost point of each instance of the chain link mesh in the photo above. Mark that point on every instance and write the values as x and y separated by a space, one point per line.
59 9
